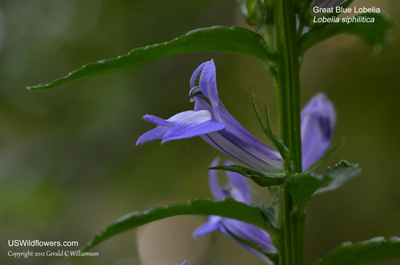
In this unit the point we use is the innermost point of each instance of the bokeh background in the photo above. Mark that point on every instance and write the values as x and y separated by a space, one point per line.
68 161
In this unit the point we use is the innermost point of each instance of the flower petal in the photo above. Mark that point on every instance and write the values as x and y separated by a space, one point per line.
208 83
254 251
195 75
156 133
211 225
257 253
190 117
185 124
238 143
250 233
157 120
240 188
187 131
318 119
215 188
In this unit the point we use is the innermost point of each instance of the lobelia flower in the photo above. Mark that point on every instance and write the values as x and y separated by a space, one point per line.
216 126
238 189
184 263
318 119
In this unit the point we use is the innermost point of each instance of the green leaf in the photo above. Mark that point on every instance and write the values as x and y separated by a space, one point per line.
365 252
302 187
376 33
261 178
228 208
268 213
340 174
222 39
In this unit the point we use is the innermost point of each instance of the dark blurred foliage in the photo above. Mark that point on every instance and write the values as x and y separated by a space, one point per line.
68 161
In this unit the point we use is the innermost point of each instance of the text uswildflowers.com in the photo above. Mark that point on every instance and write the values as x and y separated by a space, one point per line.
41 243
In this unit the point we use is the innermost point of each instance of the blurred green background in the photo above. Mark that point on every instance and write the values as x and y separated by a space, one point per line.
68 161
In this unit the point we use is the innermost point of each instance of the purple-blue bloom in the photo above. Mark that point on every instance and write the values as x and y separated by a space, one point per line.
238 189
184 263
318 119
216 126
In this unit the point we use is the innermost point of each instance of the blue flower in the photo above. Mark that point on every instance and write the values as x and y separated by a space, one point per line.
216 126
184 263
318 119
238 189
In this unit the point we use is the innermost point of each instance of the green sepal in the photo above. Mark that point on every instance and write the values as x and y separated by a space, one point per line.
376 33
228 208
261 178
285 153
365 252
221 39
303 186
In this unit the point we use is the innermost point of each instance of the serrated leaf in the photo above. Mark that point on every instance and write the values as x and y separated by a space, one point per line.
340 174
228 208
261 178
365 252
222 39
376 33
302 187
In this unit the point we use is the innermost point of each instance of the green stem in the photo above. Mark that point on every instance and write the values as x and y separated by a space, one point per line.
291 220
288 77
297 234
284 223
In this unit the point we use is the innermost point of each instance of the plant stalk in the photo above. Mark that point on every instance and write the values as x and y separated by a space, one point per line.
291 220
